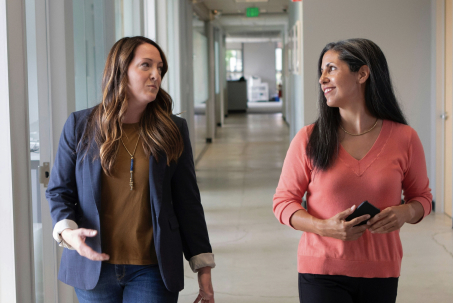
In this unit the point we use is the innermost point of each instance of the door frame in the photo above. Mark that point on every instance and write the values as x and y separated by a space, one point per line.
439 88
438 85
16 255
50 253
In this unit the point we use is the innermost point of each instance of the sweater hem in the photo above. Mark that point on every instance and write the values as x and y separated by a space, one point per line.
350 268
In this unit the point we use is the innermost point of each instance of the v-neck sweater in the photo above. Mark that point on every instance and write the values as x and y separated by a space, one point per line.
394 164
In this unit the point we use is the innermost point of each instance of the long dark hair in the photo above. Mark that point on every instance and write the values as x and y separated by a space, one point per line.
104 127
380 100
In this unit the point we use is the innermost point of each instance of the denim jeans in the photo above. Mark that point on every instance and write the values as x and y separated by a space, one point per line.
128 284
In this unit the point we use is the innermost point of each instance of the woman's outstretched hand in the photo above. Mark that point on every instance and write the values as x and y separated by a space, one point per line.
76 238
337 227
206 293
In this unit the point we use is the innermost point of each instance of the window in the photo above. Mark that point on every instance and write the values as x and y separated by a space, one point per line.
234 64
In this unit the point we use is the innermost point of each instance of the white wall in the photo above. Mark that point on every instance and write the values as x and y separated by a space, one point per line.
403 31
259 60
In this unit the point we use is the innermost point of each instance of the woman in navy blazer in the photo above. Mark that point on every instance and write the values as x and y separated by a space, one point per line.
131 85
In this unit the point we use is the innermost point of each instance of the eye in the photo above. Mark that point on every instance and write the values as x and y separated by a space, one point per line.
331 68
160 68
145 64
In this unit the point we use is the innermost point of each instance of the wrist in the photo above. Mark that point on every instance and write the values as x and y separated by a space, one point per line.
318 226
412 216
64 232
204 270
408 212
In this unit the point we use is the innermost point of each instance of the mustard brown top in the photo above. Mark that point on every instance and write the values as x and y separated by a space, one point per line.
126 220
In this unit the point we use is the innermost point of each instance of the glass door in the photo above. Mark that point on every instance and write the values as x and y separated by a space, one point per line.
44 247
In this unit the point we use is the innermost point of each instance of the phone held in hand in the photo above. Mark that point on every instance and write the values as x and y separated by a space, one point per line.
366 208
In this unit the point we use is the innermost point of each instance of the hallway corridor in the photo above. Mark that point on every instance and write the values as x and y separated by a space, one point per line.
256 255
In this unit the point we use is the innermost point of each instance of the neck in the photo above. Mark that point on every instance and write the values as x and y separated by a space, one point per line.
357 121
134 113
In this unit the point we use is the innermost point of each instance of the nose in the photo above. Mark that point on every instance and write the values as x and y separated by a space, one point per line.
154 74
323 79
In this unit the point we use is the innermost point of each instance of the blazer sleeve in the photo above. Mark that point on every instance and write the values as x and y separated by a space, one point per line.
188 208
61 192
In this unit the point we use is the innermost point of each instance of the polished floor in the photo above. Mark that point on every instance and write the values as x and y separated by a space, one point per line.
256 255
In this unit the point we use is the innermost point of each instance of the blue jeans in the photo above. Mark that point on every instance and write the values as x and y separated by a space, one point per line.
128 284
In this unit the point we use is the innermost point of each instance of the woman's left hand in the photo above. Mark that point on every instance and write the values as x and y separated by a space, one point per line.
392 218
206 294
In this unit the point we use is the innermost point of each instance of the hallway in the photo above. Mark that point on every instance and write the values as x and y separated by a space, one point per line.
255 255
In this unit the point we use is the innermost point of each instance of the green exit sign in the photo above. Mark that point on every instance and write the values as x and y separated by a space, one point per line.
252 12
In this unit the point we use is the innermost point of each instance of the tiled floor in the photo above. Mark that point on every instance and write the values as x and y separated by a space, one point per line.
255 255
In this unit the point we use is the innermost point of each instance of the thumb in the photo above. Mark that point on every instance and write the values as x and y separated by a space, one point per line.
87 232
344 214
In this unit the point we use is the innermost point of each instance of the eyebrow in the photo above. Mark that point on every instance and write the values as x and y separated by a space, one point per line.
153 60
327 65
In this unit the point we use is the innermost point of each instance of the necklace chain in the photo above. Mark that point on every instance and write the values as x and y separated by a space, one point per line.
367 131
131 180
132 155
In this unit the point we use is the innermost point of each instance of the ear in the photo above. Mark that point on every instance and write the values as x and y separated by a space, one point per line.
363 74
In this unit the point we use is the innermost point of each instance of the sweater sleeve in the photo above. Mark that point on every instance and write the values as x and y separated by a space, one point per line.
294 179
415 182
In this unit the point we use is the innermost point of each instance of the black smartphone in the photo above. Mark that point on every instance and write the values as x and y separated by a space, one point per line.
366 208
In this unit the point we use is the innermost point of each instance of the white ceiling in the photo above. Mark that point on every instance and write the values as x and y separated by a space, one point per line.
272 20
233 7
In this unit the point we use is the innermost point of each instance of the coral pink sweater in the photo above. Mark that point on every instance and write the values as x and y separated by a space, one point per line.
395 163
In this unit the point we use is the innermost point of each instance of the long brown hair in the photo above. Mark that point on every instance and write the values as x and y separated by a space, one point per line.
158 131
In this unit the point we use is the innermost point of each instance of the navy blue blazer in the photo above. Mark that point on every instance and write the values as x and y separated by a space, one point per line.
74 193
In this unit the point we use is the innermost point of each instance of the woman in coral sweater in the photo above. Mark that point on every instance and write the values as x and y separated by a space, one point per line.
360 148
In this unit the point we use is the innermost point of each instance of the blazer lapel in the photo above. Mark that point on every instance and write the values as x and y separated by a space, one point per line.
95 169
156 179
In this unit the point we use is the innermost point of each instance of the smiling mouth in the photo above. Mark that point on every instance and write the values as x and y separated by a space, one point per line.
328 90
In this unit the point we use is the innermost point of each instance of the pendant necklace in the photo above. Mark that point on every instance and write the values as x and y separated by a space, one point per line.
367 131
131 181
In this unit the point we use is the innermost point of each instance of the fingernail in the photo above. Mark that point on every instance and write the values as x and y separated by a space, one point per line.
93 232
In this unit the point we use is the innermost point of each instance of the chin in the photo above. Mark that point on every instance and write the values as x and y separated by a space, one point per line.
149 99
331 104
